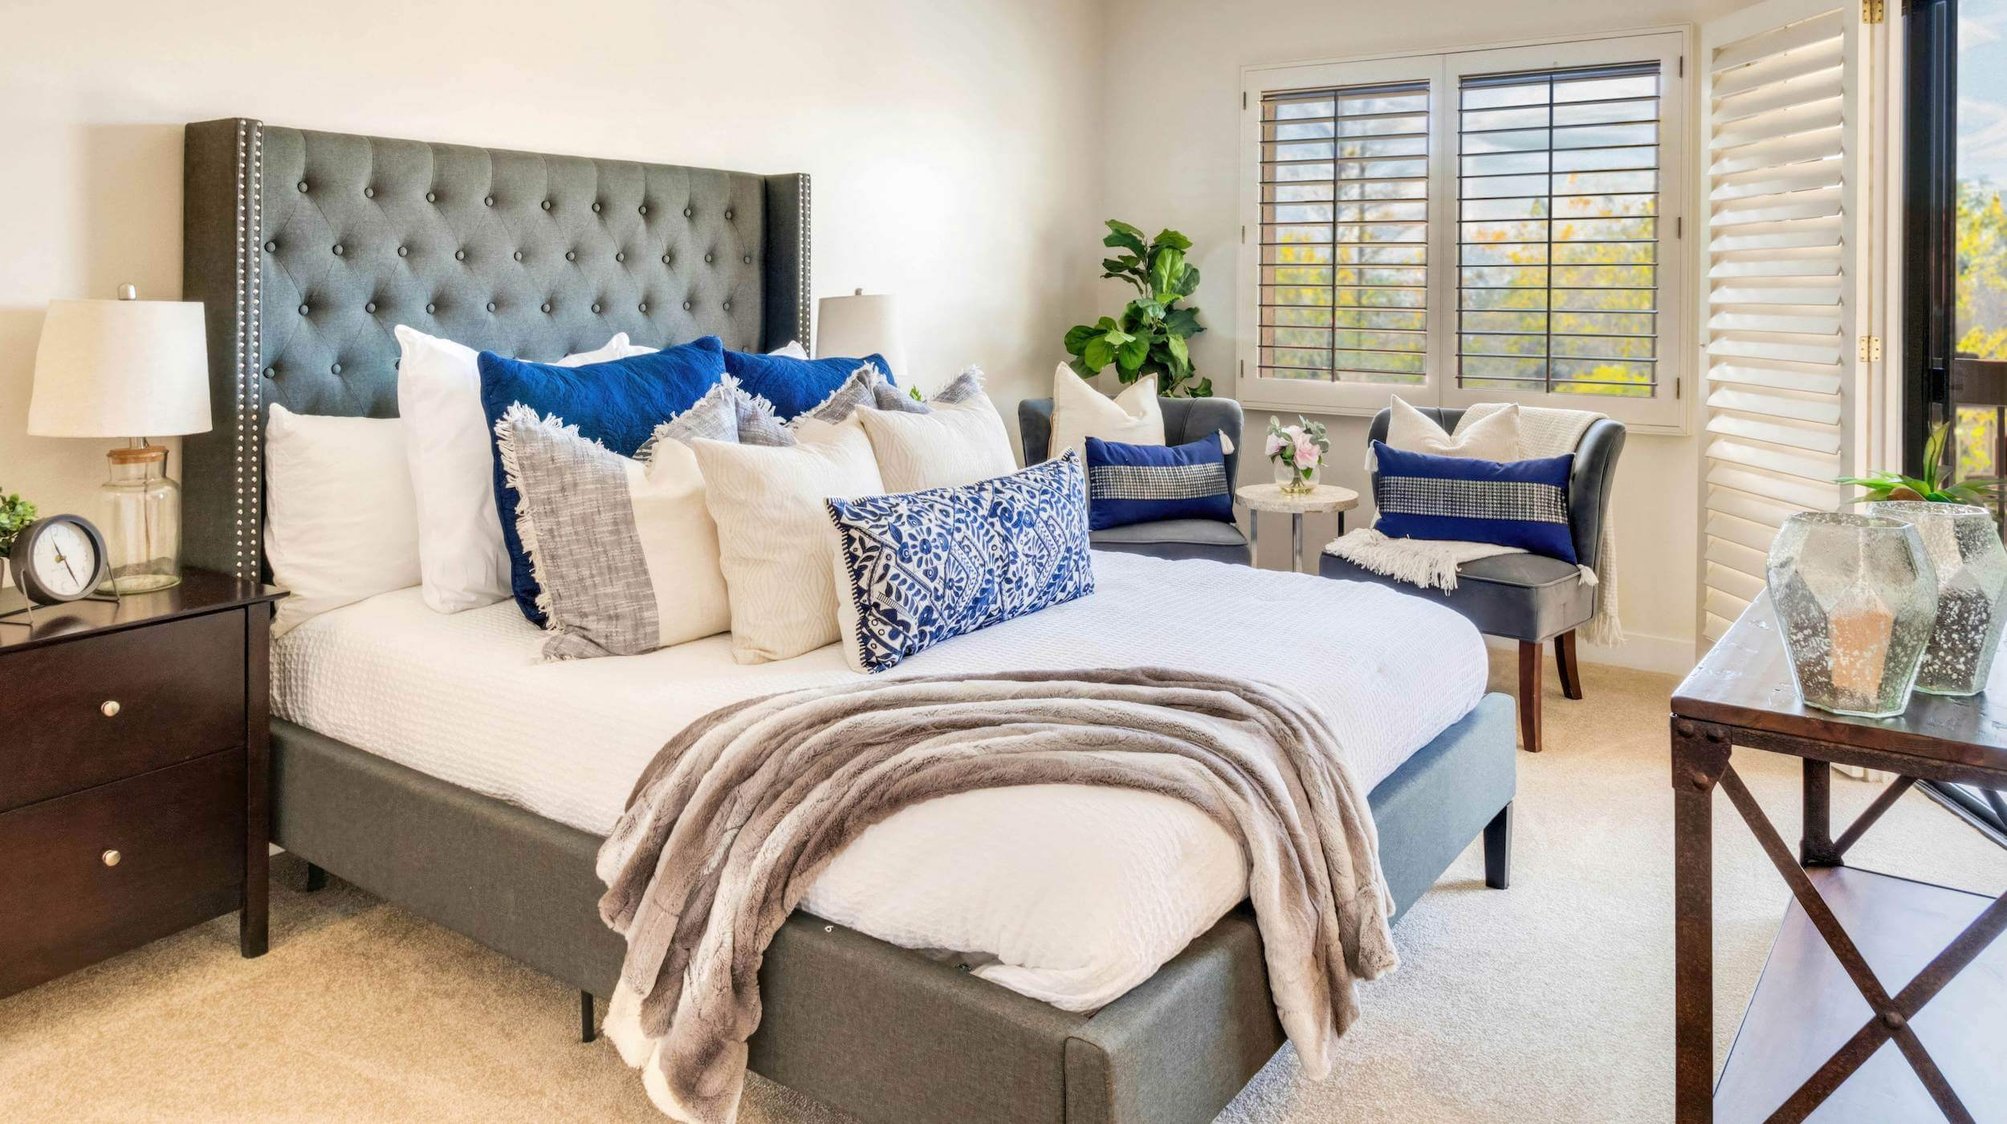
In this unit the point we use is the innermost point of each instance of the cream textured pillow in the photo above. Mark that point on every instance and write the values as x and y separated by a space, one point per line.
1079 411
340 524
1495 438
951 445
776 544
460 552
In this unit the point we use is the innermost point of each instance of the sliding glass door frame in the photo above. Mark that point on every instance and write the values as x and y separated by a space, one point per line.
1934 380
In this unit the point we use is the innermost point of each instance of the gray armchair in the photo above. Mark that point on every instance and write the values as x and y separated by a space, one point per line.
1185 419
1528 597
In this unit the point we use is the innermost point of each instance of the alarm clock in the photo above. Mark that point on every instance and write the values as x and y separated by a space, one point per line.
57 559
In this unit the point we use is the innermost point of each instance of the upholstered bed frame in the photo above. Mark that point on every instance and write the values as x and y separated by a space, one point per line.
307 249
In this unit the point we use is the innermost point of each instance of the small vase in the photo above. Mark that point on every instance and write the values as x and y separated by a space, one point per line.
1296 481
1856 597
1965 549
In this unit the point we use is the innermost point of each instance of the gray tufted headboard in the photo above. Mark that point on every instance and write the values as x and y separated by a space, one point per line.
308 248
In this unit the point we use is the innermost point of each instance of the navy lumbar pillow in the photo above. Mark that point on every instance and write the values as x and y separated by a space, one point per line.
795 386
1148 483
617 404
918 568
1521 504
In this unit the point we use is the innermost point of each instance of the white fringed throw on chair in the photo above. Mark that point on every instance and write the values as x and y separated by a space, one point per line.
1543 432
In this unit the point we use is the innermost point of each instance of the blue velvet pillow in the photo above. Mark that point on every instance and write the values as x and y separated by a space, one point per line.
1148 483
1508 503
795 386
617 404
922 567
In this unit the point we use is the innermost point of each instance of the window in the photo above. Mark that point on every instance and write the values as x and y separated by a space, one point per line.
1464 227
1344 233
1557 245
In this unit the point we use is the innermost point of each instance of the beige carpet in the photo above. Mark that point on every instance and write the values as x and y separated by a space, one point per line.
1549 1002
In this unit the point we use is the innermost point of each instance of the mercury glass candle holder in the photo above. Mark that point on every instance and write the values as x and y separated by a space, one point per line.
1856 598
1964 547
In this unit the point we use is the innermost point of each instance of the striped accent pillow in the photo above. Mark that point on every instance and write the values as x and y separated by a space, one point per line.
1520 504
1150 483
624 551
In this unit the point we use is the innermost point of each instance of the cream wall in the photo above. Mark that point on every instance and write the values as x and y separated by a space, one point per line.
948 142
1170 157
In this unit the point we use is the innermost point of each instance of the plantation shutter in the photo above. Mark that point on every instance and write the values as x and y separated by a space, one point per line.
1344 234
1558 231
1784 232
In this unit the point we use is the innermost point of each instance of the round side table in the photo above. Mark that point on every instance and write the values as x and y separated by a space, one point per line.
1270 497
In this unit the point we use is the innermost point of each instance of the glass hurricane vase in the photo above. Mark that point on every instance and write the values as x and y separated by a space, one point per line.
1964 547
1856 598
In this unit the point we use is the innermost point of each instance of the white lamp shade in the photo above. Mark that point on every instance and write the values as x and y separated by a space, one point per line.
125 368
859 325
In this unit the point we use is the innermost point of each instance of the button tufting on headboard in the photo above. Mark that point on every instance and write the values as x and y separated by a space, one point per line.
520 252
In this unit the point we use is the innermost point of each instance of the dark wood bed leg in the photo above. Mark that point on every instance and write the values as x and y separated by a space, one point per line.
317 879
586 1030
1529 695
1498 849
1564 662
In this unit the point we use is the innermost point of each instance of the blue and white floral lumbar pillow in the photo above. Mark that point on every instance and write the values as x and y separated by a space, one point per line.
1521 503
917 568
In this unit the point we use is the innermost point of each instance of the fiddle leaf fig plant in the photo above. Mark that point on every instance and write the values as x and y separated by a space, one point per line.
1150 335
1936 485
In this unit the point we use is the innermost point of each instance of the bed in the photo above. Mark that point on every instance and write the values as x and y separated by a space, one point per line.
307 248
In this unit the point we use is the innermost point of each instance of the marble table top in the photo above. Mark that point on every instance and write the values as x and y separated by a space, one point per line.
1322 498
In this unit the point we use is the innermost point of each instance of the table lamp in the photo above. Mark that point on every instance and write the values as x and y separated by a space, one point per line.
862 324
133 369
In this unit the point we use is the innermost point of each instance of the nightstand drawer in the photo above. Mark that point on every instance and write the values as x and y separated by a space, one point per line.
105 707
91 875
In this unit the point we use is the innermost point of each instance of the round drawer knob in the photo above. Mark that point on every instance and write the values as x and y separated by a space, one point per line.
111 858
109 708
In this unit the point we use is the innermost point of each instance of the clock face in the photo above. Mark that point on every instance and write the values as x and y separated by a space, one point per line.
64 560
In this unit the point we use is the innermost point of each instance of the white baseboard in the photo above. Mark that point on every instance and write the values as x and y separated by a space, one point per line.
1668 655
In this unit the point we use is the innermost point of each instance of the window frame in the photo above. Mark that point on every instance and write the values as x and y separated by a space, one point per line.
1669 411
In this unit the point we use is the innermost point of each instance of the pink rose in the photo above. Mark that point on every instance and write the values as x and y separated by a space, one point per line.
1307 452
1275 443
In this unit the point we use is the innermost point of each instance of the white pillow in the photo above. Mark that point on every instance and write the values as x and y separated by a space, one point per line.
340 522
792 349
776 544
460 552
1079 411
952 445
1493 438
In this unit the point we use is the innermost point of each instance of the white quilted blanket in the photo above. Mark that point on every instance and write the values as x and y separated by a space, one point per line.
1070 895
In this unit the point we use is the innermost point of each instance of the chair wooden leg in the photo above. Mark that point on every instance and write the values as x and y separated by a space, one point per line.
1529 695
1564 662
317 879
586 1030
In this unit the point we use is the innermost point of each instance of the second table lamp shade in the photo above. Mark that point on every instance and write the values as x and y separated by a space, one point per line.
859 325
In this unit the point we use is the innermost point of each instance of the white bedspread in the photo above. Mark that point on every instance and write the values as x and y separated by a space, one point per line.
1078 893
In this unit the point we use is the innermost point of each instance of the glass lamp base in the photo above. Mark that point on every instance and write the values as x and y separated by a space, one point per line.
132 584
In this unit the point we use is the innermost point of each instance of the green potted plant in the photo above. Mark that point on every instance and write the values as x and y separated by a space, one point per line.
15 514
1936 485
1149 337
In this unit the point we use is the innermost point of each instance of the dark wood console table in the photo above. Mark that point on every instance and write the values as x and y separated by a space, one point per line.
1859 954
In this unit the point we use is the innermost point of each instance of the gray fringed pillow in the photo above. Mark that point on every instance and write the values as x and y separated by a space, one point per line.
866 388
624 550
727 412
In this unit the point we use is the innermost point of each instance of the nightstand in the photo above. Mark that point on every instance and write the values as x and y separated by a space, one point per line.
133 778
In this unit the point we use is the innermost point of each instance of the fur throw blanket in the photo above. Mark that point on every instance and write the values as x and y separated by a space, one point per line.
733 821
1543 432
